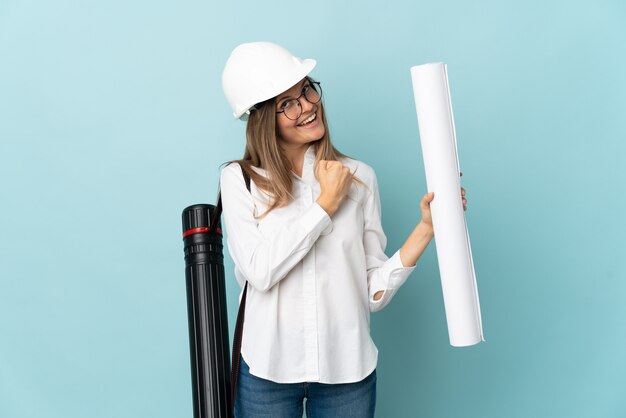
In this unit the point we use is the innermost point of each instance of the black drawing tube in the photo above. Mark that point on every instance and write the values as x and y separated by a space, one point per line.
206 307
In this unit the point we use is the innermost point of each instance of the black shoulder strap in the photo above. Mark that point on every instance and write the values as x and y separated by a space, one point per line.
246 177
236 355
218 208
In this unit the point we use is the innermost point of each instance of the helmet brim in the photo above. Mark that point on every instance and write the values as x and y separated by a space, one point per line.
284 85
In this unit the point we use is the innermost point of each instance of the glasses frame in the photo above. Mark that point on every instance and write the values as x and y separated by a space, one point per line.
316 85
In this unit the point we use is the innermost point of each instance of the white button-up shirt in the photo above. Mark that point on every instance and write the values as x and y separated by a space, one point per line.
312 278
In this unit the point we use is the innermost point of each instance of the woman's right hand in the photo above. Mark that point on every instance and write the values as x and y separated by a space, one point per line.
335 181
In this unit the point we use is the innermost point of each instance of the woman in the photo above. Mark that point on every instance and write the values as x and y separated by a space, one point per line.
308 240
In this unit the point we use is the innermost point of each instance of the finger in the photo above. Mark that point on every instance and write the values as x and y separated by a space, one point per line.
462 191
320 167
425 202
332 163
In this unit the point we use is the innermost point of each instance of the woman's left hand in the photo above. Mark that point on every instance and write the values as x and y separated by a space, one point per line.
425 206
427 218
417 242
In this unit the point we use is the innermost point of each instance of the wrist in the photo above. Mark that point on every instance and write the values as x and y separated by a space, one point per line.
327 205
426 228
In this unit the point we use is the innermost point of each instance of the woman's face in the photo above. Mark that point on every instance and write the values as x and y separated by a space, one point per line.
308 127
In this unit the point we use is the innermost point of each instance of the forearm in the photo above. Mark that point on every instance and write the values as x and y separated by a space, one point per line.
267 258
415 244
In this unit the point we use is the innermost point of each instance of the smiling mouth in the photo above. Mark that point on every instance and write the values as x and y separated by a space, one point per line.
308 120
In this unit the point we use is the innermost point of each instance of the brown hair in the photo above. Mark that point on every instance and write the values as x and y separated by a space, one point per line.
264 151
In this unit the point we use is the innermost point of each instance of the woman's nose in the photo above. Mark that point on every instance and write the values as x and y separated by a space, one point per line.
304 103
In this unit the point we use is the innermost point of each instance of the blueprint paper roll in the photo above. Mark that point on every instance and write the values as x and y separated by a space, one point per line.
454 253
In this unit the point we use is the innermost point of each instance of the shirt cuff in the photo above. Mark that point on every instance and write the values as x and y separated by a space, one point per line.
397 272
397 275
316 220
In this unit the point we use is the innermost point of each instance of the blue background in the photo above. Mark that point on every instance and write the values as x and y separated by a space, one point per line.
112 120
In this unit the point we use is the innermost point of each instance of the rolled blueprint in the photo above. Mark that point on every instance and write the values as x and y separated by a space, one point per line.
454 253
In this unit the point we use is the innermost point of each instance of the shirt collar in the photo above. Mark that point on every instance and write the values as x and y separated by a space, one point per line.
308 165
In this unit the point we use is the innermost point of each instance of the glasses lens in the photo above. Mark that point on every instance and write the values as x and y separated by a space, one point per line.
292 109
313 93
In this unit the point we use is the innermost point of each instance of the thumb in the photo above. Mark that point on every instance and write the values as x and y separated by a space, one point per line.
428 197
321 167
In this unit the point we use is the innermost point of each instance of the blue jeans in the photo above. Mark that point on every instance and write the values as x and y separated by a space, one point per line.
260 398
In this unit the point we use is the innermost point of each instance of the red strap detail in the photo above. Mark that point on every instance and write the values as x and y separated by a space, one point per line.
195 231
201 229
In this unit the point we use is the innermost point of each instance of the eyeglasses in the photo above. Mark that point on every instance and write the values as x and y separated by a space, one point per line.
312 92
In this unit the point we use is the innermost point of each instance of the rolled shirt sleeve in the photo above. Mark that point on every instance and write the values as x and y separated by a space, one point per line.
383 273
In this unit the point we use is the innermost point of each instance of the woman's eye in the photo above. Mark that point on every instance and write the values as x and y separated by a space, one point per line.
286 104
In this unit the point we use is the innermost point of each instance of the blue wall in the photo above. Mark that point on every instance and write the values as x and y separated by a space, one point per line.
112 120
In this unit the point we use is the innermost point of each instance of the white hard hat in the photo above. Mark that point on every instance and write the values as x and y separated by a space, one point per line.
258 71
